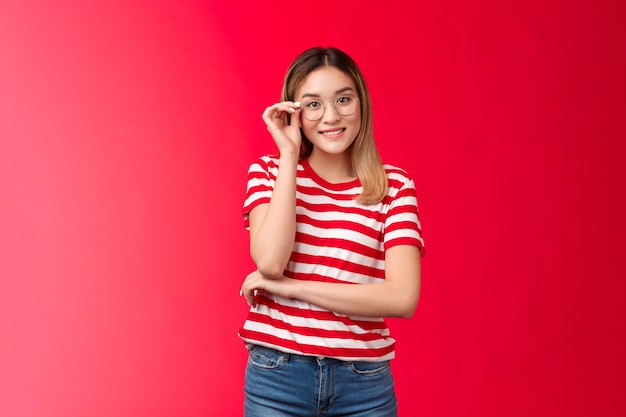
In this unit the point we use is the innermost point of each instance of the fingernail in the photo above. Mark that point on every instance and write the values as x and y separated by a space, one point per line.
297 104
291 109
240 293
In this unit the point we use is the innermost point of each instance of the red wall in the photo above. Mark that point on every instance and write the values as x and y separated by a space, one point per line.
126 128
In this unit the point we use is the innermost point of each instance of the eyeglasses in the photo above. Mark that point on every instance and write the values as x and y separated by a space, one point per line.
313 109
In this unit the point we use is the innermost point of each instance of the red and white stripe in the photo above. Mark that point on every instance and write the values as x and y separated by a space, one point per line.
337 240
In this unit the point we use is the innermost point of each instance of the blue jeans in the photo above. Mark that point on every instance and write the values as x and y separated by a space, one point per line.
286 385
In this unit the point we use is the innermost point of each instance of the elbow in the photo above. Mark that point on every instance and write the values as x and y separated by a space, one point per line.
406 307
404 312
271 265
270 270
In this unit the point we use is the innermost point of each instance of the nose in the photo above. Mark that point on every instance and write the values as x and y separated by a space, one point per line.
330 113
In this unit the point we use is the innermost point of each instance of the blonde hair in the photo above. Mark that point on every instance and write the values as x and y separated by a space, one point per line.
366 160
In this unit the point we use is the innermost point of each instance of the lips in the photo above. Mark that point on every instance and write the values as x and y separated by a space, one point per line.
332 133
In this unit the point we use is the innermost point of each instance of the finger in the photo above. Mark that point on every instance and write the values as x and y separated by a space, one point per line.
295 118
248 296
275 117
250 299
275 110
248 288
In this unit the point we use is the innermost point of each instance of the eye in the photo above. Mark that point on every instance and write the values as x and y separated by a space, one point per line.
312 104
344 100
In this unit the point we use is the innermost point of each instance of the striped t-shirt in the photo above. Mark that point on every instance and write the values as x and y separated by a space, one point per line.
337 240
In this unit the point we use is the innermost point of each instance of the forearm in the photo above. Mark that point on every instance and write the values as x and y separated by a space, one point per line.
396 296
385 299
273 232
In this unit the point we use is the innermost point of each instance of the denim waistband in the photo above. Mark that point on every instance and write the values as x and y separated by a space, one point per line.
286 356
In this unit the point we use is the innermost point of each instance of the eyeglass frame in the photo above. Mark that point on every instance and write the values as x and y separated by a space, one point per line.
323 102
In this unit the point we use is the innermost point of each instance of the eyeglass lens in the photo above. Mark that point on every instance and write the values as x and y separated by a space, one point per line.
313 109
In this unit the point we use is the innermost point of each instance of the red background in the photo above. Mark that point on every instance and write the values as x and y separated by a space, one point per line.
126 128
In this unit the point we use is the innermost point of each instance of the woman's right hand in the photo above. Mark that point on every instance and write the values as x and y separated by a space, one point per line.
286 135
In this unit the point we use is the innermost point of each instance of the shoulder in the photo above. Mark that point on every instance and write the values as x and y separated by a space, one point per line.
397 177
396 170
265 163
266 160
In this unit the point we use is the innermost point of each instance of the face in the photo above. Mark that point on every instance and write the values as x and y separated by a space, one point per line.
333 133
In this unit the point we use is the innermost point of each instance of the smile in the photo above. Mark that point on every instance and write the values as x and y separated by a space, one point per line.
333 132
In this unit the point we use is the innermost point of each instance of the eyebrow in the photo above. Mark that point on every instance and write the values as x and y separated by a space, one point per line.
341 90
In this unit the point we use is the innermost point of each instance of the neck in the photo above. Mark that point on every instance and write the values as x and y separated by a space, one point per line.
333 168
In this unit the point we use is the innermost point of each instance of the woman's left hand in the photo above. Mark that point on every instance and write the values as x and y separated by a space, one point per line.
256 281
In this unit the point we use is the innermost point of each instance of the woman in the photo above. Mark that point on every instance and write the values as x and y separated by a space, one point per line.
336 240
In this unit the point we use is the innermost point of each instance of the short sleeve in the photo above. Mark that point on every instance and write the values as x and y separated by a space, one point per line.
260 185
402 224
